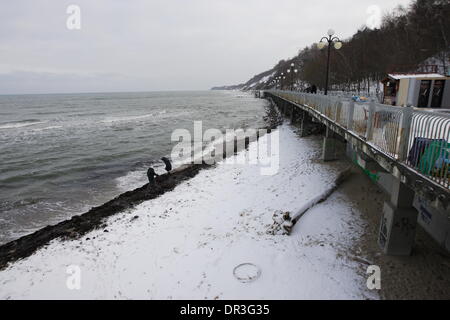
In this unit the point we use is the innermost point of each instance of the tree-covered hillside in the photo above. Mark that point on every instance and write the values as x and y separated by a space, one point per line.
409 39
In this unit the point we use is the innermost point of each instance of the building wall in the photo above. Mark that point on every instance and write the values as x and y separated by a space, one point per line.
409 89
402 94
413 92
446 97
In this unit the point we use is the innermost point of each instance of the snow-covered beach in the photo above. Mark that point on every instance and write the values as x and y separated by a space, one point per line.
186 243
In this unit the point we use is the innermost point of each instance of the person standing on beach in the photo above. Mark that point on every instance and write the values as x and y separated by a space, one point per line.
167 163
151 174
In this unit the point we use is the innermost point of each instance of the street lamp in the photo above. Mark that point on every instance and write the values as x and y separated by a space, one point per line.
329 41
278 82
291 70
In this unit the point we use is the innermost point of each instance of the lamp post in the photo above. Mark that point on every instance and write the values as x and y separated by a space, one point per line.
291 70
329 41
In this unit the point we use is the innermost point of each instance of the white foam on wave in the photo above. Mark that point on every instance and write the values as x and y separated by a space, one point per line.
125 119
136 178
14 125
48 128
131 180
133 118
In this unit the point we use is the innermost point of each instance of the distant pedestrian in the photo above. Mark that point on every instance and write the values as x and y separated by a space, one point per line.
151 174
167 163
314 89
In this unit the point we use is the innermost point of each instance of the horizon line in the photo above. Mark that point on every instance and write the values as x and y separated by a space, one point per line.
97 92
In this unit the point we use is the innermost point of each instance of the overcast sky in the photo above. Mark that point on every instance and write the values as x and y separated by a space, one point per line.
147 45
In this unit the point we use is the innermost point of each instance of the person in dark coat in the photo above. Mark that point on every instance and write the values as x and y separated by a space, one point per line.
314 89
167 163
151 174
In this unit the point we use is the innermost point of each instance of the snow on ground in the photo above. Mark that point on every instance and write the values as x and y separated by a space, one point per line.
186 243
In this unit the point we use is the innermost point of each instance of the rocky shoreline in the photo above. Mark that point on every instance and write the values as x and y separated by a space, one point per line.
79 225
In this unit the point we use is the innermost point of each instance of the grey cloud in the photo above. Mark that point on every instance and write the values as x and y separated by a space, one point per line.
157 45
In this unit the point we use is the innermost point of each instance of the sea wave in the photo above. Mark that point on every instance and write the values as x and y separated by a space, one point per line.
137 177
20 124
131 180
48 128
133 118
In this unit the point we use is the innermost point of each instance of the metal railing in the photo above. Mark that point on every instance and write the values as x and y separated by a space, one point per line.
429 145
419 139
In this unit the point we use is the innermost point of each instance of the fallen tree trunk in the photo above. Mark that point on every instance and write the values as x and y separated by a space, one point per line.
323 196
285 221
